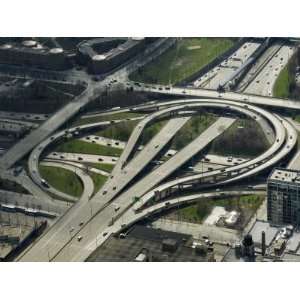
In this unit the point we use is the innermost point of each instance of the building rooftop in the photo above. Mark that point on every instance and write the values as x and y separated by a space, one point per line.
146 244
56 50
99 57
29 43
269 230
285 175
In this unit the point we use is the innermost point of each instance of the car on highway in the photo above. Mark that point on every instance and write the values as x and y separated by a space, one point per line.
122 235
18 170
45 183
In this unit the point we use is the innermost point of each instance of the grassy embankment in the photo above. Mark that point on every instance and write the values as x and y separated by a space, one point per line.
186 58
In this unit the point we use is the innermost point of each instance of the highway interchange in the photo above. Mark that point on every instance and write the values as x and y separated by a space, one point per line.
94 218
104 212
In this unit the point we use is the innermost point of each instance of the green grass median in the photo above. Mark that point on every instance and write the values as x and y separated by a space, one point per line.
281 87
98 180
102 166
108 117
76 146
120 131
63 180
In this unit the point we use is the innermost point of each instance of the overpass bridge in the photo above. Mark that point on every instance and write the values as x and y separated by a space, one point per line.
99 216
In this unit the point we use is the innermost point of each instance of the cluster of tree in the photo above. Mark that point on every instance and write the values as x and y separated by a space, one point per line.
191 130
121 131
240 141
293 68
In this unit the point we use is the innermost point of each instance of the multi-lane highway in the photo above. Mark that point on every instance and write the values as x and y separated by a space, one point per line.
126 195
54 239
59 250
92 91
212 94
213 78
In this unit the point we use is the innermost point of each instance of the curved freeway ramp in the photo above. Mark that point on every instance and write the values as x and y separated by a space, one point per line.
59 244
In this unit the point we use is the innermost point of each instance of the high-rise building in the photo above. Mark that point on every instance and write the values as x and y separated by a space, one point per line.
283 191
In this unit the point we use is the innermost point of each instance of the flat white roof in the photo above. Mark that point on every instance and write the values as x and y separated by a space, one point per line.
99 57
285 175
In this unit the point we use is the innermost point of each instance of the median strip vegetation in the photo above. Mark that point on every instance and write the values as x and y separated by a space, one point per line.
98 180
120 131
187 57
286 85
102 166
192 129
108 117
77 146
150 131
281 87
63 180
